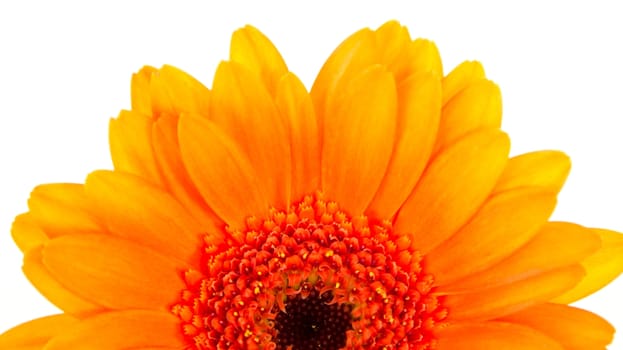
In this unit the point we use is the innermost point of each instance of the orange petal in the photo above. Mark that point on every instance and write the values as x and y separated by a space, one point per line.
26 233
573 328
174 91
130 145
358 140
244 110
352 56
177 179
136 210
124 330
35 334
113 272
479 105
452 188
141 98
462 76
257 53
503 224
493 336
51 289
61 209
602 267
547 169
572 244
295 104
221 172
489 303
419 107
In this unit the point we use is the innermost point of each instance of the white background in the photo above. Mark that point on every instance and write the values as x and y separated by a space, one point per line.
65 70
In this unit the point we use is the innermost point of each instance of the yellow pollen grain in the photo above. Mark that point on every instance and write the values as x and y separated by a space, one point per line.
247 333
241 303
256 291
329 253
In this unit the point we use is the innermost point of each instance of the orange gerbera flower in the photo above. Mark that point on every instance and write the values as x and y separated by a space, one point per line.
379 211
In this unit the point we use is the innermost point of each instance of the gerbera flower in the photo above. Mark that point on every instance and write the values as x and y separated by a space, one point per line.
378 211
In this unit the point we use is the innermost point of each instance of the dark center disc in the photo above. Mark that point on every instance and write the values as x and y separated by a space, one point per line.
312 324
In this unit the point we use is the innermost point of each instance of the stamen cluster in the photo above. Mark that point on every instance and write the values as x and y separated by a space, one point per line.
313 249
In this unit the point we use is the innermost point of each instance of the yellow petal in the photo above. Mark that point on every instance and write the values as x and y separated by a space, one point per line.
130 145
573 328
452 188
547 169
503 224
295 104
113 272
143 213
51 289
462 76
26 233
479 105
358 140
141 98
244 110
221 171
257 53
602 267
35 334
123 330
493 336
425 57
573 243
60 209
419 108
494 302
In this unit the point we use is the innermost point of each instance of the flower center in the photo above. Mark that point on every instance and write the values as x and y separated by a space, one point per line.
312 323
310 278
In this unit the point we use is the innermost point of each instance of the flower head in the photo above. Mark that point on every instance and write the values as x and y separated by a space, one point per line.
380 210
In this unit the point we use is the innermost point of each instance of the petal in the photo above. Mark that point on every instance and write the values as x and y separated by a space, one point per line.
244 110
452 188
51 289
490 303
176 176
503 224
572 242
462 76
124 330
358 140
136 210
221 171
425 57
479 105
352 56
419 107
573 328
26 233
547 169
493 336
174 91
602 267
33 335
257 53
113 272
130 145
295 104
141 99
60 209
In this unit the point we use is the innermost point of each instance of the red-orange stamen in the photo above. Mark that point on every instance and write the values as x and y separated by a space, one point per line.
298 257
